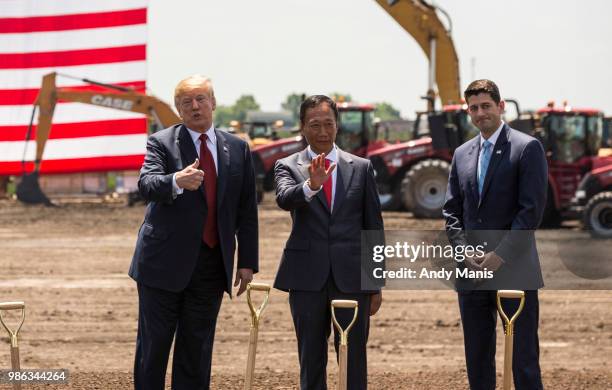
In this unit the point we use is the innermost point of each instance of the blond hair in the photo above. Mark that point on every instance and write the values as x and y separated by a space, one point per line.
191 82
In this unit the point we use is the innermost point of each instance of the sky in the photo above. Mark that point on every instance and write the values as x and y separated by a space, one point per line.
536 51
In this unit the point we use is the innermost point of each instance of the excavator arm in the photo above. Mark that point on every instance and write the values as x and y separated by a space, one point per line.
111 96
421 21
117 97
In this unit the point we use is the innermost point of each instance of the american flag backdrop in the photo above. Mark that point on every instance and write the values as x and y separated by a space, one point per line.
102 40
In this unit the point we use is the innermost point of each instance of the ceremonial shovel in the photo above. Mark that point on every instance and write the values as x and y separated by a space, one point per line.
509 331
255 317
343 333
14 343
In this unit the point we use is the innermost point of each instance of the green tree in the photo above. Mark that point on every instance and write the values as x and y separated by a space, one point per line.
292 104
243 104
224 115
385 111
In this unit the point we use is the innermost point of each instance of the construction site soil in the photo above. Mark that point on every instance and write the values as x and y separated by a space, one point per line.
69 264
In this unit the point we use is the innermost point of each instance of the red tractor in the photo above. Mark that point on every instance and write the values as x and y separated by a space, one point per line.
593 201
413 174
572 139
356 134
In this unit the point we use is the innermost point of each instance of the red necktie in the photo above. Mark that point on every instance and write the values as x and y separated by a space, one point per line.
327 186
210 236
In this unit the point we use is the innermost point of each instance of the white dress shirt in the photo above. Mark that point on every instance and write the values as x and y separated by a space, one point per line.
333 158
492 139
211 143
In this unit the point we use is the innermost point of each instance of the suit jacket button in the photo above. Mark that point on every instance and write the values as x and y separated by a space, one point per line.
479 220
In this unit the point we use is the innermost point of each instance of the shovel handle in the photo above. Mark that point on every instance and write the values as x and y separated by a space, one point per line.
256 313
5 306
12 305
513 294
342 367
259 286
344 304
250 370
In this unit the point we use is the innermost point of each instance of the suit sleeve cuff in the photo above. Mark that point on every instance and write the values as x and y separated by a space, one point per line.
176 190
308 193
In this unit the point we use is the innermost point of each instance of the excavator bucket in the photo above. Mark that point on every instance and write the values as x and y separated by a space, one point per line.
29 191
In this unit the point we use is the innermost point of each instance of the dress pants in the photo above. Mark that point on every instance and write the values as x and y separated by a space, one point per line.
479 317
191 315
311 314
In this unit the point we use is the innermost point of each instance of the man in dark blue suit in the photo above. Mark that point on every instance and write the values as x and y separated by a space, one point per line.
332 197
200 186
496 196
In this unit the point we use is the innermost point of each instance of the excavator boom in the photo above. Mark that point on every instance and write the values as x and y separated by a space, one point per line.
116 97
119 98
421 21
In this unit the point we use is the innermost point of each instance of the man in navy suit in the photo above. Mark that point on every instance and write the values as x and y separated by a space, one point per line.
496 196
200 186
332 197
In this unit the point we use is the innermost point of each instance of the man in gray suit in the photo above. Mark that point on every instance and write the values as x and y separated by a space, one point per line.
332 197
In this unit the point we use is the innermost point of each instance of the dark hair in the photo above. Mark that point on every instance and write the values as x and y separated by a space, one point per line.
482 86
314 101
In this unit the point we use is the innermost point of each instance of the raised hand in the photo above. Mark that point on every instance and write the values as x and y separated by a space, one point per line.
318 173
191 177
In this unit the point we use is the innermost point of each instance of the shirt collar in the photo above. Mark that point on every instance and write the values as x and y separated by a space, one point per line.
332 156
195 135
493 138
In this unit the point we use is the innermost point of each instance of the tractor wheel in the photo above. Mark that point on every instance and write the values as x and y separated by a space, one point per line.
424 188
597 217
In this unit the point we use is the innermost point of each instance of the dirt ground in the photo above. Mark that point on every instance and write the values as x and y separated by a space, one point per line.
69 264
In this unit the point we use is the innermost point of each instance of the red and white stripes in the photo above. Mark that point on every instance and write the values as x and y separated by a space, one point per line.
102 40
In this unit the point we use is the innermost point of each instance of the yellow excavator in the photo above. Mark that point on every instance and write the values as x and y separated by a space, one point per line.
109 95
420 19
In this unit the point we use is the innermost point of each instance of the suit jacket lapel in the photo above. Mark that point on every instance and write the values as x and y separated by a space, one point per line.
188 150
472 169
303 162
344 175
223 165
496 156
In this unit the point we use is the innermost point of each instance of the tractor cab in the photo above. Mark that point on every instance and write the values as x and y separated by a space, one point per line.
571 136
606 139
572 139
356 131
448 128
